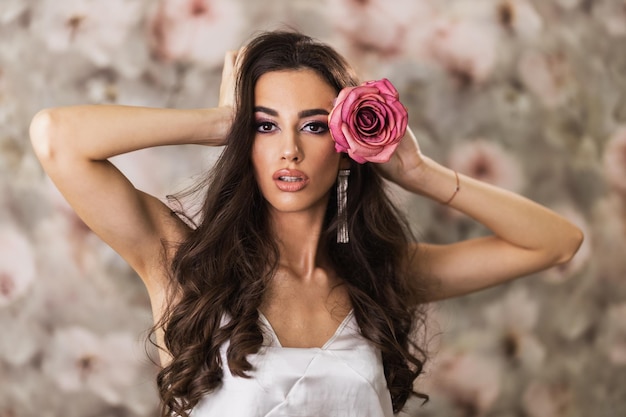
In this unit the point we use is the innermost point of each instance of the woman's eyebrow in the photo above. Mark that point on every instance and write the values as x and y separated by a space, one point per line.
302 114
266 110
312 112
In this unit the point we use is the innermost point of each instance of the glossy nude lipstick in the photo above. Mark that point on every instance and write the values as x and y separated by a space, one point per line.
290 180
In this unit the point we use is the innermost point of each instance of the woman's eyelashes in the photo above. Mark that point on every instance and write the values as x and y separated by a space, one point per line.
317 128
314 127
264 126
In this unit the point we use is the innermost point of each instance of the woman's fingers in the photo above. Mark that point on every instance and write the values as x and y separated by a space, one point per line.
227 87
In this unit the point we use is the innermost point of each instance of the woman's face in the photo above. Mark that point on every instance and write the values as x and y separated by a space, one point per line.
293 154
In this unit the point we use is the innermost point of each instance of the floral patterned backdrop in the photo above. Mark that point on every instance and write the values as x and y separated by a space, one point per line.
526 94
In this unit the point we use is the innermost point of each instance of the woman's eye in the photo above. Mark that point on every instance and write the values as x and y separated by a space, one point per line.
316 127
265 127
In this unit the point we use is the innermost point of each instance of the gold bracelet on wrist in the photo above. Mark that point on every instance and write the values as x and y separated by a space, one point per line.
456 190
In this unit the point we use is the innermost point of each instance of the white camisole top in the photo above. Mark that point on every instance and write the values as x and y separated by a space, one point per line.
343 378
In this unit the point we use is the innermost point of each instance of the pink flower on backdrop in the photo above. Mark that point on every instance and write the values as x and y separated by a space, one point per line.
17 264
196 31
615 160
465 48
547 75
561 273
615 334
514 317
78 360
379 25
489 162
95 28
470 381
546 400
368 121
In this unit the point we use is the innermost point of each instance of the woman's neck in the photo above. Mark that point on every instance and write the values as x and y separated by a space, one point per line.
298 237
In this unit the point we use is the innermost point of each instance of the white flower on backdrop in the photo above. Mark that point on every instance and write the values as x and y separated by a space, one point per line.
17 264
547 75
516 310
468 380
195 31
612 16
521 17
78 359
81 271
95 28
543 399
10 10
22 337
464 48
513 320
465 38
487 161
379 25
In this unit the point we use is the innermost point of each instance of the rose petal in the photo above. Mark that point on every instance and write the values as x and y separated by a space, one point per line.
335 126
378 119
384 86
357 146
385 154
343 94
349 149
368 121
354 96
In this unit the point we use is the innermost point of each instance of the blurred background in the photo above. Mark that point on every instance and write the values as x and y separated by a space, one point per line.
529 95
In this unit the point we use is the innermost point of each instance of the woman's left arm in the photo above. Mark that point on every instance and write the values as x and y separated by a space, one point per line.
527 237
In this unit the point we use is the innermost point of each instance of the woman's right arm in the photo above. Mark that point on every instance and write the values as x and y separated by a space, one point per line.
73 145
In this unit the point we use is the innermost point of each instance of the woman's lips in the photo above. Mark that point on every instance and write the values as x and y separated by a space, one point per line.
290 180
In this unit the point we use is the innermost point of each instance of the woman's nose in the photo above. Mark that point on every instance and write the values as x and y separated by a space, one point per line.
291 150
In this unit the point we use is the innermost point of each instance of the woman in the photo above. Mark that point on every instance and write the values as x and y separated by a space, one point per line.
259 310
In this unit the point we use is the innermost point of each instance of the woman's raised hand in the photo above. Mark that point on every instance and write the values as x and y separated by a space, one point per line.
406 159
229 77
226 100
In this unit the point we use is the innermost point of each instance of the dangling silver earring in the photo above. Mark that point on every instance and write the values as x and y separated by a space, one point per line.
342 201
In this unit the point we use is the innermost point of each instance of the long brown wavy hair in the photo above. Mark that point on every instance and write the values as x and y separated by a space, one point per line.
223 268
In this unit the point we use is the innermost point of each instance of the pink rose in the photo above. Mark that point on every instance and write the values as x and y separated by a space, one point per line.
368 121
